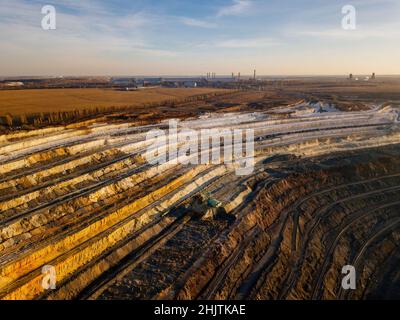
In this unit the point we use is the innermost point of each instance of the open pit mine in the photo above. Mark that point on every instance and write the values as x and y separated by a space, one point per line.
81 201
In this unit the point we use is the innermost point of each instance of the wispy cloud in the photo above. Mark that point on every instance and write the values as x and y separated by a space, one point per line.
248 43
91 7
100 36
135 20
100 29
236 8
85 41
198 23
361 33
159 53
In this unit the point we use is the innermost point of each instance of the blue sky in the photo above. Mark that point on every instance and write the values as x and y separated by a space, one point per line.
187 37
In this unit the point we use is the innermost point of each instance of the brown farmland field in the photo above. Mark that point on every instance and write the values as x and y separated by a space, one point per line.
18 102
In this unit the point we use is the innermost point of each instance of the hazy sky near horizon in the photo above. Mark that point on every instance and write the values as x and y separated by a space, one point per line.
190 37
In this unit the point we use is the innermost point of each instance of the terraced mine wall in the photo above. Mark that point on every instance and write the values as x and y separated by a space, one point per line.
291 240
83 200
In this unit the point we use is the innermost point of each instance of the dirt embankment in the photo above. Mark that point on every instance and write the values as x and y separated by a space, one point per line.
292 240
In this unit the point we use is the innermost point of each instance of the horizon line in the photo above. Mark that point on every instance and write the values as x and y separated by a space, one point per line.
194 75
